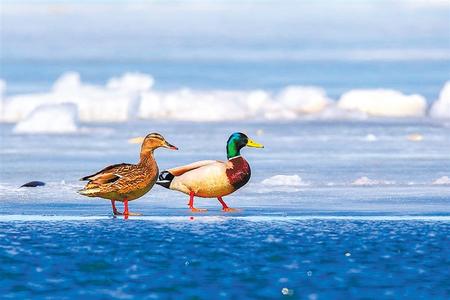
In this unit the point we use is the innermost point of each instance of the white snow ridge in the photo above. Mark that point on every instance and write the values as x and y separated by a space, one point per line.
441 107
53 118
132 96
444 180
384 103
364 181
285 180
111 103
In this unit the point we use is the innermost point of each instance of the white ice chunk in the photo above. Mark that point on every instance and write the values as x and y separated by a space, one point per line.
367 181
53 119
132 82
114 103
219 105
303 100
441 107
285 180
2 92
192 105
383 103
371 138
444 180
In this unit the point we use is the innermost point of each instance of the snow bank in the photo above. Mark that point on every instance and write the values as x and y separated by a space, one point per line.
441 107
383 103
284 180
362 181
370 138
281 183
2 92
131 82
131 96
2 88
190 105
55 118
303 100
114 102
290 103
444 180
219 105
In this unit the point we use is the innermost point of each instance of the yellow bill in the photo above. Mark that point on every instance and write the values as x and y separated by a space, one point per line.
252 143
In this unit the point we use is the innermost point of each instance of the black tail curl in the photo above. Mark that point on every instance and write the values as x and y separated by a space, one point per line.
164 179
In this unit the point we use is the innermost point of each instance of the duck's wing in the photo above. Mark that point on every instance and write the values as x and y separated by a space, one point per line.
183 169
109 174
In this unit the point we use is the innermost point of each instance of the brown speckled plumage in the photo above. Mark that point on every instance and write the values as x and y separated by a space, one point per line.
127 181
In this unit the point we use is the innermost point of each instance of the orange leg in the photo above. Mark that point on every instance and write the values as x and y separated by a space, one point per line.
126 212
191 204
225 206
125 204
115 211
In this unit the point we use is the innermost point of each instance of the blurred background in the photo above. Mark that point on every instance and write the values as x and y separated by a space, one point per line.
356 92
233 60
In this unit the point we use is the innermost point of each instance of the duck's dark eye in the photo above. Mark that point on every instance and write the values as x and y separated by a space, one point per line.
243 141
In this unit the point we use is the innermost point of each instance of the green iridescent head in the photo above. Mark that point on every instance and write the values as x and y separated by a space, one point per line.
237 141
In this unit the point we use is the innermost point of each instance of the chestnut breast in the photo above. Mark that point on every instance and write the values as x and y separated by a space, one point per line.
239 173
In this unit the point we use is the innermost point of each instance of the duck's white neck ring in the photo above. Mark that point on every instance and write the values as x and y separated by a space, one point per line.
235 157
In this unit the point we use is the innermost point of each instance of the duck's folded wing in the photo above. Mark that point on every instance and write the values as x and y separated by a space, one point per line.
105 178
107 174
183 169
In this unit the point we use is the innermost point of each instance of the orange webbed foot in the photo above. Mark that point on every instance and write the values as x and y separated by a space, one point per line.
191 204
229 209
197 210
133 214
225 207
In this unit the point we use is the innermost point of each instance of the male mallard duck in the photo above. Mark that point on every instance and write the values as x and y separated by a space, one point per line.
212 178
126 182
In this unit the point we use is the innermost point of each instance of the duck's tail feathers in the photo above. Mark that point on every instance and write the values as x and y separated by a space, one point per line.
89 192
165 178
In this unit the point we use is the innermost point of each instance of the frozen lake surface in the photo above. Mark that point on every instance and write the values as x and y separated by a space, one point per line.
333 210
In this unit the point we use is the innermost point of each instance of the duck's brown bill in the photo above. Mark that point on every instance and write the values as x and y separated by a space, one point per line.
170 146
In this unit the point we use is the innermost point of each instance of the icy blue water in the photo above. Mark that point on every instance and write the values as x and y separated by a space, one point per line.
225 259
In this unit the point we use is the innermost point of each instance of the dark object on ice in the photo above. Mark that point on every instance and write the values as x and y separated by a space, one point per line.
33 184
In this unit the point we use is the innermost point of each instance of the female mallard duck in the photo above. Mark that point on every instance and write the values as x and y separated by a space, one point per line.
212 178
126 182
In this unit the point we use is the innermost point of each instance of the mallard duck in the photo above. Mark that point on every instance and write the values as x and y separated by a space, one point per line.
212 178
127 182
